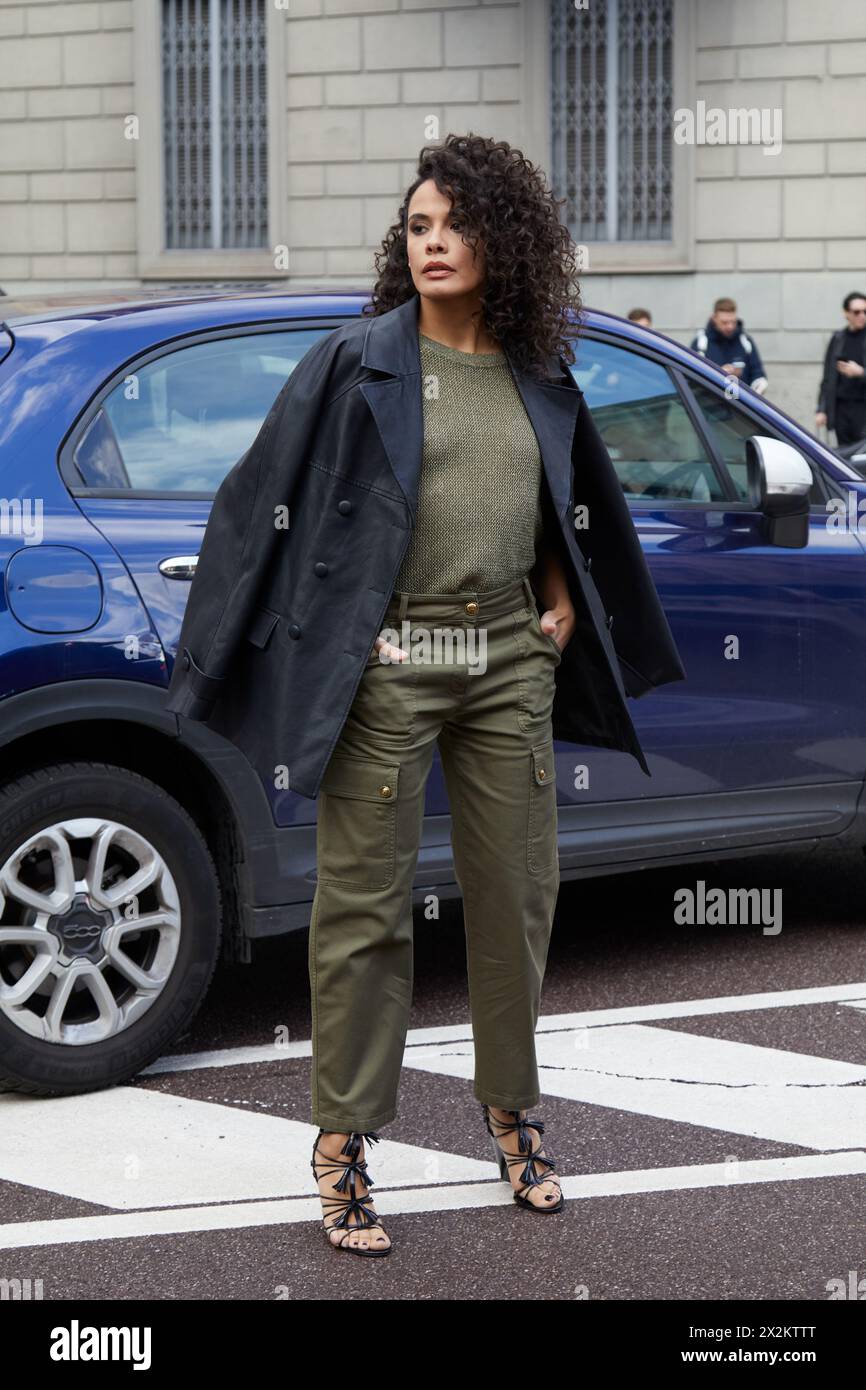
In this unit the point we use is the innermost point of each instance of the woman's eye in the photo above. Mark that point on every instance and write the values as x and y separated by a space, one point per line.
420 227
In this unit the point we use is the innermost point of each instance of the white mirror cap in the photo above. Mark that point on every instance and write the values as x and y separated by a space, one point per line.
785 469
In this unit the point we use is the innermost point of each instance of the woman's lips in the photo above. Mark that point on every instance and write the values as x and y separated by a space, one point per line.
438 272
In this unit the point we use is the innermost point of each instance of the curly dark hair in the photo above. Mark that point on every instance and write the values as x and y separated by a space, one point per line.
531 286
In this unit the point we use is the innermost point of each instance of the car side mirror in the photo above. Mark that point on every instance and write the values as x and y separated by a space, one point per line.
779 481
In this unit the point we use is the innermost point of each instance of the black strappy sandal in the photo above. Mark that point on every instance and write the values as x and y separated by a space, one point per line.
360 1206
525 1156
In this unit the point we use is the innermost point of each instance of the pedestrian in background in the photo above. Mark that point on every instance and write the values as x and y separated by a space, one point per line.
724 341
842 397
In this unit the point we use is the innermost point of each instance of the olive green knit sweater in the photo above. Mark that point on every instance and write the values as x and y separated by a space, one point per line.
479 502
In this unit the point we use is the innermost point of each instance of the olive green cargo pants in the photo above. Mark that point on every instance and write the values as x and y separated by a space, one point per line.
480 683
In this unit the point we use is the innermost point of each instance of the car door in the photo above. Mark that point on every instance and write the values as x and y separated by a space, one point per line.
148 456
768 724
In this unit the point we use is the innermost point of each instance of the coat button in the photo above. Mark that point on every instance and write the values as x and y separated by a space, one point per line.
471 606
185 662
345 507
385 791
320 570
587 564
294 630
609 621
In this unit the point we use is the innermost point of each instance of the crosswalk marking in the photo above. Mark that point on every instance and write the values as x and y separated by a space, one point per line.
765 1092
853 994
493 1193
163 1163
129 1148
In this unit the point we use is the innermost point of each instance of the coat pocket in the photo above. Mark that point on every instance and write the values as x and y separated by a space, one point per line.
356 823
261 625
542 846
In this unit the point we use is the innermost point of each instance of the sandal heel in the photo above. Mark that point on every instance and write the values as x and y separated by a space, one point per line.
500 1160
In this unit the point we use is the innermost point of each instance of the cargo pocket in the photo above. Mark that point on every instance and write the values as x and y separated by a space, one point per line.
356 823
542 849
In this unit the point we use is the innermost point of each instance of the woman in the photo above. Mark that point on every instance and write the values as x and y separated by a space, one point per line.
434 458
478 240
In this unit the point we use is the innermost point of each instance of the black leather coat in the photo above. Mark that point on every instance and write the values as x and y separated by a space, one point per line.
284 610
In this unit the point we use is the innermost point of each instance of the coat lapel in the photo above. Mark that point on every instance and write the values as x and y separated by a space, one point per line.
391 346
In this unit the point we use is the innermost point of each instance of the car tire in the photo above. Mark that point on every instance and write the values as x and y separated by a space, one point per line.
110 926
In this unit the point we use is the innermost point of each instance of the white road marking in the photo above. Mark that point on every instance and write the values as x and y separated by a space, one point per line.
789 1097
854 994
247 1215
202 1165
129 1148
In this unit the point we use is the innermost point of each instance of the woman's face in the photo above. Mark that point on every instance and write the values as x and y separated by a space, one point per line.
434 235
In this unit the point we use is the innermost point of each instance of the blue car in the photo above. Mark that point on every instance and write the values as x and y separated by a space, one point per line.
135 847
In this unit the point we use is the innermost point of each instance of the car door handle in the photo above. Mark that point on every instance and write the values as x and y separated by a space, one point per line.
178 566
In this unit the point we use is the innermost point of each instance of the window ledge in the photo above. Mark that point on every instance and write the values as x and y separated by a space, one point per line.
648 267
202 264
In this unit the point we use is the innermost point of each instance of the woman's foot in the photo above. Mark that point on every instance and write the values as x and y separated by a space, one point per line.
504 1126
331 1155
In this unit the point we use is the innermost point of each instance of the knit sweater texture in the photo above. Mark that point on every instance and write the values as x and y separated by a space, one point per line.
479 517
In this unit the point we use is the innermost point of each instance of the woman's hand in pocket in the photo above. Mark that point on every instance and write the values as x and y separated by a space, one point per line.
548 581
387 652
559 623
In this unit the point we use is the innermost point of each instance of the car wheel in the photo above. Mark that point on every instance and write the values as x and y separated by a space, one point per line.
110 926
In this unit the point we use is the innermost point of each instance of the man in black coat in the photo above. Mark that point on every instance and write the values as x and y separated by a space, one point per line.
842 397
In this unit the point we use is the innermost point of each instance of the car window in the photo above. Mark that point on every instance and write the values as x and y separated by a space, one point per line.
182 420
638 411
729 427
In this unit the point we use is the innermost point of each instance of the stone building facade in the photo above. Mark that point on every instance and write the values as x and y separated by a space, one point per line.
158 141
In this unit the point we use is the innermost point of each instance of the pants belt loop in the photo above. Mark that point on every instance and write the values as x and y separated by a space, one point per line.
404 604
527 589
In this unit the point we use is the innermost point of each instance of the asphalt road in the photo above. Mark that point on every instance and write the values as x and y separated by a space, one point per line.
704 1095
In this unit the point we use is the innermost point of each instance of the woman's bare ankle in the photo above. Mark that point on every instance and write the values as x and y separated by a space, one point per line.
357 1231
332 1141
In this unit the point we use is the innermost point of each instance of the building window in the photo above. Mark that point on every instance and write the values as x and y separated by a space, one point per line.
611 118
215 134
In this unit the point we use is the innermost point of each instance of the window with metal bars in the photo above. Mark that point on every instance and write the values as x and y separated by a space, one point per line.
215 131
611 118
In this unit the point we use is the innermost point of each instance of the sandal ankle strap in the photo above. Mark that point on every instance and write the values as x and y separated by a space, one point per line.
528 1177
